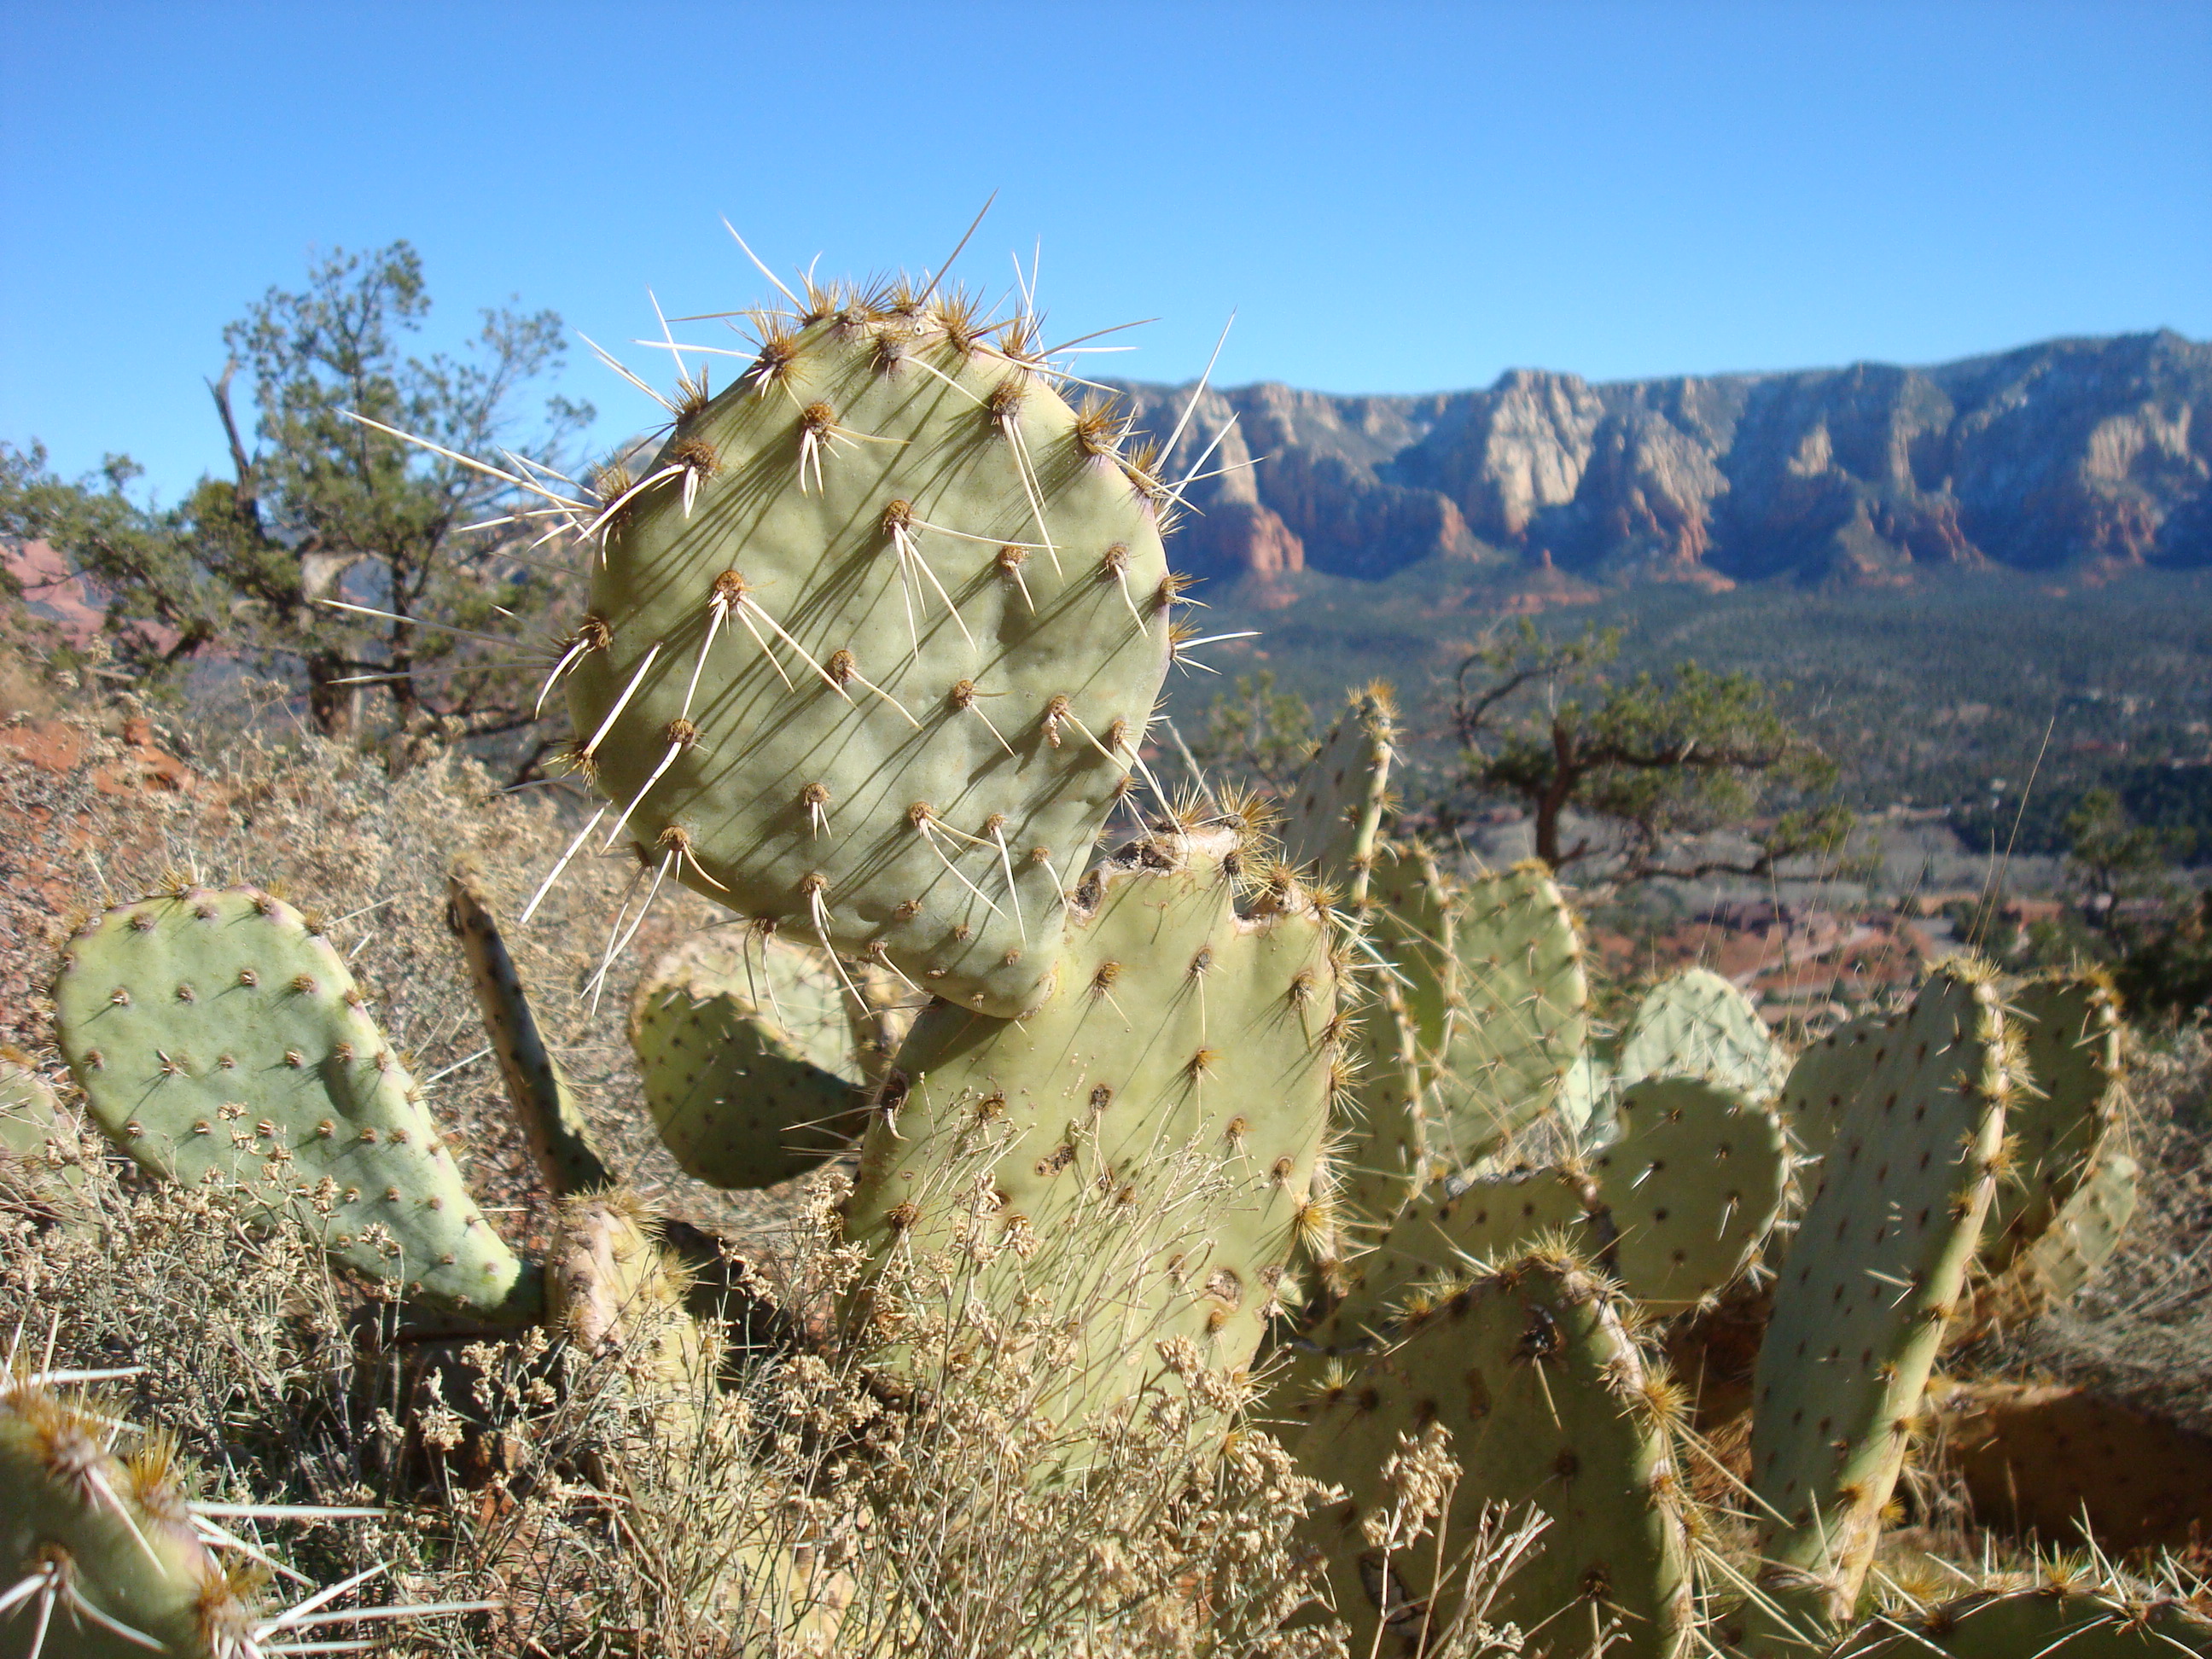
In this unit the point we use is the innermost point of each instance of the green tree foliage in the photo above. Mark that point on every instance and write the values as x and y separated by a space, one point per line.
1654 758
1257 732
320 506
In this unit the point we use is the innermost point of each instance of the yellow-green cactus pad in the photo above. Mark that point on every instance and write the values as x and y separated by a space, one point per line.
746 1048
1875 1270
1548 1404
1140 1151
875 641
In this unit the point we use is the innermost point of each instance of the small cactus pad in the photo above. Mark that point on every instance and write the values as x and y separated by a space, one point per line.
1385 1157
1693 1186
875 641
1336 805
1875 1271
746 1050
1447 1235
90 1541
2048 1458
2086 1232
2058 1615
1520 1008
2069 1036
1698 1024
217 1034
1548 1404
552 1118
612 1288
34 1131
1825 1079
1140 1148
1410 905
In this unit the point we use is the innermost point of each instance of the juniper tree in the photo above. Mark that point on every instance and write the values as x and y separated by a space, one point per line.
316 505
1652 757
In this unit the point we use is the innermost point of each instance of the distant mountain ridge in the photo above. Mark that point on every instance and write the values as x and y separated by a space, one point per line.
2086 456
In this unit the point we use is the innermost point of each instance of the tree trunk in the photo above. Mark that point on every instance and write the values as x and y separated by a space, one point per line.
335 708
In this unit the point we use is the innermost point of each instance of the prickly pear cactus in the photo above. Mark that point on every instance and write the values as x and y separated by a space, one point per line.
34 1131
1824 1080
875 641
747 1056
1692 1187
1698 1024
1410 916
2085 1234
1450 1233
1548 1403
2061 1613
217 1035
610 1286
552 1115
1336 807
98 1557
2069 1036
1141 1148
1385 1162
1875 1271
1520 1012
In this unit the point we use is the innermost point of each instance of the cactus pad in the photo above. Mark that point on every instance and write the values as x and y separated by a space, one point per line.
1140 1148
2069 1036
1336 805
747 1054
1544 1397
121 1535
1443 1238
1825 1079
1385 1161
1698 1024
612 1288
2086 1232
1875 1271
552 1117
2061 1615
1520 1009
217 1034
875 639
1692 1187
1410 907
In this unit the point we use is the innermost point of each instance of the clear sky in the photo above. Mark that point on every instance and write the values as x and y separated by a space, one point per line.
1390 197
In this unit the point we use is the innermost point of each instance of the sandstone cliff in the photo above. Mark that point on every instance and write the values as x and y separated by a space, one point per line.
2090 456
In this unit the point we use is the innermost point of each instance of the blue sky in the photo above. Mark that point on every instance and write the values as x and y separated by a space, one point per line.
1391 198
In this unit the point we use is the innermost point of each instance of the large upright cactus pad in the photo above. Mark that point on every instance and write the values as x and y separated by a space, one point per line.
1875 1271
1543 1393
874 651
1140 1151
1410 916
1520 1009
1692 1187
1699 1025
217 1034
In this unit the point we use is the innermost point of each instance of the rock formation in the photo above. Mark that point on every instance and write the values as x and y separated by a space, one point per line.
2088 457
